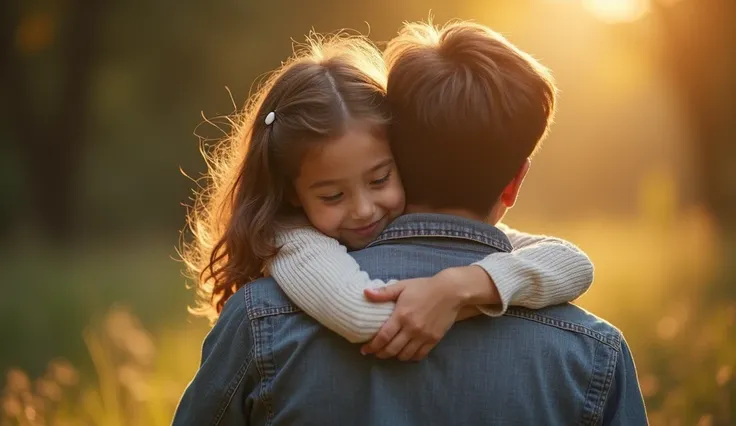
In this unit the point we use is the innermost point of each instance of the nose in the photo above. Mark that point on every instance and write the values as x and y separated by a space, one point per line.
363 207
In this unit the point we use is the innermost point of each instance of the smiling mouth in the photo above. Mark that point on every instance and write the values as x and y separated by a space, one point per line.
366 230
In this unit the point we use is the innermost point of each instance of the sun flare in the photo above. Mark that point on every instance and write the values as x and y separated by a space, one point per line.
614 11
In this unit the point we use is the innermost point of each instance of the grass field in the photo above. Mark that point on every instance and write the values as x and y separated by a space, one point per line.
655 279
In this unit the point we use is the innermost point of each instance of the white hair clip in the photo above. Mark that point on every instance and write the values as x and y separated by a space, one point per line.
270 117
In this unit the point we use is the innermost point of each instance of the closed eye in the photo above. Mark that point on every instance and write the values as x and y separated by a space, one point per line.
382 180
331 198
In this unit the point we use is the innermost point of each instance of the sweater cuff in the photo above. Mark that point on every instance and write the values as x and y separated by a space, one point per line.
502 274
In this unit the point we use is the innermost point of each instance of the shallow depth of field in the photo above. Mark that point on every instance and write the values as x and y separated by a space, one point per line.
103 105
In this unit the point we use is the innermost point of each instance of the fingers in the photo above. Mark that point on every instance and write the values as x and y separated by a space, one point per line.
423 352
387 332
384 294
394 346
410 350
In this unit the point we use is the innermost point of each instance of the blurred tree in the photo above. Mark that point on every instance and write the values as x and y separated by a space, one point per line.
699 43
56 43
699 50
101 98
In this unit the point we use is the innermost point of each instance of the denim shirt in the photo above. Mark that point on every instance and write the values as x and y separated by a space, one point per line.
267 363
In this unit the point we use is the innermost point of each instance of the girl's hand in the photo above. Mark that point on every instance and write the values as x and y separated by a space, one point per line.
425 309
467 312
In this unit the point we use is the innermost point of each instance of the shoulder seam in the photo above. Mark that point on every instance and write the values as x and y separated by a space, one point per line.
231 391
257 346
599 386
239 376
613 339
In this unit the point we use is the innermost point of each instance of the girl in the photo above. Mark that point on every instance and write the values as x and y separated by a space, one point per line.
306 175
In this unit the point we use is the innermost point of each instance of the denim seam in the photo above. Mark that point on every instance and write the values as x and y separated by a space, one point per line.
597 386
240 375
258 345
403 233
612 341
612 362
585 419
267 312
270 370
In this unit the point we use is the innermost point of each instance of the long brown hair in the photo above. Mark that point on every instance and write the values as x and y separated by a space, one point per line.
327 84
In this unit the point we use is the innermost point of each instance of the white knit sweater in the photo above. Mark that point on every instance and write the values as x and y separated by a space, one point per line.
320 277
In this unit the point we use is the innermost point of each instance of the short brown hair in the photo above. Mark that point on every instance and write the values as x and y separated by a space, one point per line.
468 108
329 84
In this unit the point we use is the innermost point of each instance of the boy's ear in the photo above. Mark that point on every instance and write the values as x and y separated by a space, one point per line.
511 192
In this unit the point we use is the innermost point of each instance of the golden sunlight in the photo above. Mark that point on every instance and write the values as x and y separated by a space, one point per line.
615 11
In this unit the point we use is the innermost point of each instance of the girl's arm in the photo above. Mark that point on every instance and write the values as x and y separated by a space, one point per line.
318 274
320 277
540 271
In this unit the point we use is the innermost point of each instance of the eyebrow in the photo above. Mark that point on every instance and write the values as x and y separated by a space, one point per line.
323 183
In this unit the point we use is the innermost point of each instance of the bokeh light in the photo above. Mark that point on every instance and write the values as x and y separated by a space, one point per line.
637 171
614 11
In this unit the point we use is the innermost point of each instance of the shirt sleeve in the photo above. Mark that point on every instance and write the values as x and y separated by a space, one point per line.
320 277
540 271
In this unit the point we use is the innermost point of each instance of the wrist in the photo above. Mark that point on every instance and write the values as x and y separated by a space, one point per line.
471 285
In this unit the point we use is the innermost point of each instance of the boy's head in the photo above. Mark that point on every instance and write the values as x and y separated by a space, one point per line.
468 110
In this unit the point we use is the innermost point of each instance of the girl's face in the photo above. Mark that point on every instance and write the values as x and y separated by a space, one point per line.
349 188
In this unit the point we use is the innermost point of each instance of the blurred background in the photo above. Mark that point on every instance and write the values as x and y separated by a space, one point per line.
103 105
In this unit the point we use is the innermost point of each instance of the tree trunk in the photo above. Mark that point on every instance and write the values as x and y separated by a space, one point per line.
700 51
50 146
